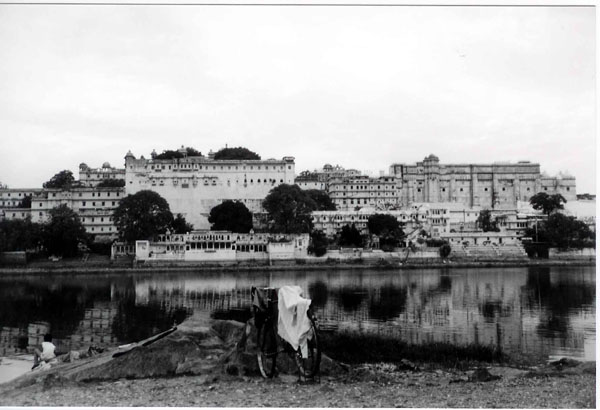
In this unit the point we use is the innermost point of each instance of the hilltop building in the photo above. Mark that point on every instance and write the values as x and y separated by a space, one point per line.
497 185
93 176
348 193
193 185
320 179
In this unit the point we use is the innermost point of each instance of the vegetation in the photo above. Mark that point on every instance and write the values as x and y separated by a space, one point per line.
486 223
322 200
62 180
180 225
64 232
143 215
350 236
25 202
289 209
112 183
19 235
547 203
173 154
563 231
349 347
318 243
236 153
387 228
445 250
231 216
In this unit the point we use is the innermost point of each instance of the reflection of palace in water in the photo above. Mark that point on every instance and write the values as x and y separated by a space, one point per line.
532 311
94 330
489 307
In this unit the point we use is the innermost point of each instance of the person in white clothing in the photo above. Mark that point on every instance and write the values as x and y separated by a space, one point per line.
47 352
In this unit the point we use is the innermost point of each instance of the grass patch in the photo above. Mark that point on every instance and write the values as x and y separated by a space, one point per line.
353 348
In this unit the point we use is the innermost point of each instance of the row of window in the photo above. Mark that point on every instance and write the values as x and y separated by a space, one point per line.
214 167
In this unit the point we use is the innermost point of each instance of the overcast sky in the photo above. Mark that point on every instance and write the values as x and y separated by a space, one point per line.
362 87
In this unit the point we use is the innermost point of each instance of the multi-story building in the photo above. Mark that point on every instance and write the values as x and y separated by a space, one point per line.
363 191
193 185
94 205
497 185
320 179
12 205
93 176
332 222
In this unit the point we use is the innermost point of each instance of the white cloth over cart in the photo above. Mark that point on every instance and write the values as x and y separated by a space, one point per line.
293 324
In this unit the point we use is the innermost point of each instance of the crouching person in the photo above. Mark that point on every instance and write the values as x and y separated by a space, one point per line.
47 354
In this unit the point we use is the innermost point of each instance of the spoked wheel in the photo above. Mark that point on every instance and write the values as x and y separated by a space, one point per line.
267 351
308 364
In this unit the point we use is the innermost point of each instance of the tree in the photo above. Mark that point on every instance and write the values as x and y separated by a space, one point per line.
563 232
62 180
112 183
350 236
174 154
19 235
322 200
64 232
236 153
143 215
180 225
485 222
318 243
230 216
387 228
445 250
547 203
379 223
289 209
25 202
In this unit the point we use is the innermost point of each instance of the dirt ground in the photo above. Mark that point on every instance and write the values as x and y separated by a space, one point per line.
379 385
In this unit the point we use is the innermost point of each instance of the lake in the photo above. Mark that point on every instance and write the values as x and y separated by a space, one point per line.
537 311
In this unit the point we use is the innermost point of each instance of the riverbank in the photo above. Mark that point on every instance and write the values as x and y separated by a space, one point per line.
105 265
376 385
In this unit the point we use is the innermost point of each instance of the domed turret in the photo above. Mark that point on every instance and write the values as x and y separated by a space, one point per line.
153 154
129 155
106 165
83 166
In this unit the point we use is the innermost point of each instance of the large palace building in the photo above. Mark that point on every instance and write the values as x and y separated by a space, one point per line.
497 185
193 185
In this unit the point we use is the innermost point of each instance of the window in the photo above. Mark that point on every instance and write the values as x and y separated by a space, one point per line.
485 189
82 203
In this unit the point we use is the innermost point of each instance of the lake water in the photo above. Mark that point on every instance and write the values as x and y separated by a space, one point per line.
528 311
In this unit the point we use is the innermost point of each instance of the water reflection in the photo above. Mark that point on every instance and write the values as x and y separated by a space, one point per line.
541 311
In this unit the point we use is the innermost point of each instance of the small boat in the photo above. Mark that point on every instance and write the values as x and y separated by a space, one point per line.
123 349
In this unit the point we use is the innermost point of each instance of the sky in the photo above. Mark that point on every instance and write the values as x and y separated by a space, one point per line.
362 87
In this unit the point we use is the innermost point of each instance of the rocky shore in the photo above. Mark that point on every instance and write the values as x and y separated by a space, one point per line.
206 363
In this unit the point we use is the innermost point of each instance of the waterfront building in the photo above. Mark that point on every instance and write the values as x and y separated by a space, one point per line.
221 246
93 176
496 186
93 205
332 222
193 185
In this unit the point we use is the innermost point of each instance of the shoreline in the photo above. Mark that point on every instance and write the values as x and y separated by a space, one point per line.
73 267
